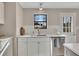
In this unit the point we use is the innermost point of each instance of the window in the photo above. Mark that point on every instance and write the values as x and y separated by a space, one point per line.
67 20
68 23
40 21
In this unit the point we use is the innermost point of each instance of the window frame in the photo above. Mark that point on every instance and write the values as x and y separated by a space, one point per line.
67 27
73 26
40 21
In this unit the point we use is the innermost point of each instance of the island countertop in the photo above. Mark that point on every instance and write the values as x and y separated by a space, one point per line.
73 47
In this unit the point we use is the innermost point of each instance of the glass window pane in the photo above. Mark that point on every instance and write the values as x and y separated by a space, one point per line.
40 17
40 21
67 23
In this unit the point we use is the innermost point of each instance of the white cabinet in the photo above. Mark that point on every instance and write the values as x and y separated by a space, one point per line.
22 46
39 46
1 13
32 47
44 47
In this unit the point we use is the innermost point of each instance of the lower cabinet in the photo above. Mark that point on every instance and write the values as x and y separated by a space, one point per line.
34 47
22 46
44 47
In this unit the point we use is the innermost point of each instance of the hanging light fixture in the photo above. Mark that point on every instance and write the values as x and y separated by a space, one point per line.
40 8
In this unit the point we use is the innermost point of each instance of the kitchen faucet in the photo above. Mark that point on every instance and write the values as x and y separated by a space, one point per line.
38 31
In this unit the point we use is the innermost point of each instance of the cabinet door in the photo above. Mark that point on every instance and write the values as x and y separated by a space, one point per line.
22 46
1 13
32 47
44 47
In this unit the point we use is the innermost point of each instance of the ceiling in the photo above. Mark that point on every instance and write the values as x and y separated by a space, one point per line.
50 4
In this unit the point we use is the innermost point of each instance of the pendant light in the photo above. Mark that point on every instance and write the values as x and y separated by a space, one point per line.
40 8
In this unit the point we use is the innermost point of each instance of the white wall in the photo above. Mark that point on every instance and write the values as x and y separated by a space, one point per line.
9 28
13 18
19 18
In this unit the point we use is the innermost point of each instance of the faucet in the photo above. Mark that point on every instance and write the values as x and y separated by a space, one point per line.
38 31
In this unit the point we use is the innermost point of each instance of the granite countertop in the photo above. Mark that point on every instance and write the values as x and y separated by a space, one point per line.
73 47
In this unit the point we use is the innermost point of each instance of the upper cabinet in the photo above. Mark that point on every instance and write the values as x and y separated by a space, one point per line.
1 13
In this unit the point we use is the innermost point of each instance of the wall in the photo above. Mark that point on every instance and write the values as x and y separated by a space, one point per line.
13 19
53 20
53 15
19 18
10 19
